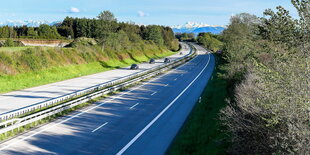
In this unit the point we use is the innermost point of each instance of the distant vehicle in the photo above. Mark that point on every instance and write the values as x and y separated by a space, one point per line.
167 60
181 53
134 67
152 61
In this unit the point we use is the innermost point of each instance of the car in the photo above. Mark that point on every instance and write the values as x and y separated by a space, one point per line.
167 60
134 67
181 53
152 61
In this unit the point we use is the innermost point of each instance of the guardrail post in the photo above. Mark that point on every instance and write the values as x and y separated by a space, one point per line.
5 134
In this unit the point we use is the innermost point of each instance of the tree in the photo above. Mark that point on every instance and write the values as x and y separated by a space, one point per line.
106 16
279 27
32 33
44 30
303 8
21 31
65 31
67 27
5 32
209 41
48 32
154 34
9 43
82 27
54 33
168 37
185 36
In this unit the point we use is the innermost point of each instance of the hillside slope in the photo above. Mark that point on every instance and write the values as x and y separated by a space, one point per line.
36 66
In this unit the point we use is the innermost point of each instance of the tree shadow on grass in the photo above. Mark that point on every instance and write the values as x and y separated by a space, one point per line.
148 56
133 58
106 65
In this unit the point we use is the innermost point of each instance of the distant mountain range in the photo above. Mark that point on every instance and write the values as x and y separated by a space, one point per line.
29 23
189 27
196 28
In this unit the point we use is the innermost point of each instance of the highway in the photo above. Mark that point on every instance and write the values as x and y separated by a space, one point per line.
23 98
141 120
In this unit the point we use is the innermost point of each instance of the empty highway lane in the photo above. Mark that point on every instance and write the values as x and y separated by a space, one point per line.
141 120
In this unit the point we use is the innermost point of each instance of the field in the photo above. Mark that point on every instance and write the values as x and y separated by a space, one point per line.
20 49
13 49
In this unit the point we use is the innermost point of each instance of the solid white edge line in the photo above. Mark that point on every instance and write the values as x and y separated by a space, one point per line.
100 126
160 114
134 106
74 116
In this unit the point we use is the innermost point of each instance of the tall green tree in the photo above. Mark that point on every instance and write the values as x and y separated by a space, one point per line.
154 34
32 33
48 32
210 42
106 16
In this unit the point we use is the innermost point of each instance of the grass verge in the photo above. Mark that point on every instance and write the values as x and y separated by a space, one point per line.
14 49
202 133
36 78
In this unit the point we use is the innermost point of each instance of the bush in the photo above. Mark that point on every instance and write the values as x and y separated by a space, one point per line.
9 43
269 111
209 41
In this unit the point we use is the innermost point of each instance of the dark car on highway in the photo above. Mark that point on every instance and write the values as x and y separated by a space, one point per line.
167 60
134 67
152 61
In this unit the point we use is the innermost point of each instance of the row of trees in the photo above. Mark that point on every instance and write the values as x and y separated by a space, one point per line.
104 28
7 32
44 31
269 65
210 41
185 36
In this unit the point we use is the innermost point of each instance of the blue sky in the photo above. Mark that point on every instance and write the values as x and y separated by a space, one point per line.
162 12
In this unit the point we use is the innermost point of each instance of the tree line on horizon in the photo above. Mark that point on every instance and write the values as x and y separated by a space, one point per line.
105 28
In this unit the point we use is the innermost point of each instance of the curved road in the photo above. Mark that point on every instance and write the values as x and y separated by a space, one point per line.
16 100
141 120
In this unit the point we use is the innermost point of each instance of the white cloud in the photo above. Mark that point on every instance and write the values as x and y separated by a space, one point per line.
143 14
74 10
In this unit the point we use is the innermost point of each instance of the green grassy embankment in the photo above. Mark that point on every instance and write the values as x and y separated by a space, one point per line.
202 133
30 67
14 49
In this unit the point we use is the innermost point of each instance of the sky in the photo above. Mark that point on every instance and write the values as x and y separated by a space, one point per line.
160 12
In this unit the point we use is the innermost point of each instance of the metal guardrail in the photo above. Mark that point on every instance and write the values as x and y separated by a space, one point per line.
41 105
91 93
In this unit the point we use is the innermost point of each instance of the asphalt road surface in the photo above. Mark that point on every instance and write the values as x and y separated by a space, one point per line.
141 120
23 98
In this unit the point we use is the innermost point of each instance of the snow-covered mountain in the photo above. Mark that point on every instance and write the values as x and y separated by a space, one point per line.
29 23
196 28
